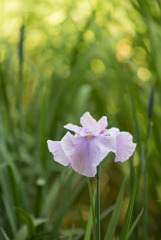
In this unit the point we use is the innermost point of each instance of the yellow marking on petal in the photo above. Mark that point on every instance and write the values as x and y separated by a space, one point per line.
89 136
103 130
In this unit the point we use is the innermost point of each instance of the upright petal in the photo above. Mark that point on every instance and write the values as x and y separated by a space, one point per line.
113 131
73 128
88 122
102 124
56 149
125 146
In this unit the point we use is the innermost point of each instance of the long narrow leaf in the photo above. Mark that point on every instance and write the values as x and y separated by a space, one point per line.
135 223
89 226
4 234
129 212
114 218
29 222
107 211
23 232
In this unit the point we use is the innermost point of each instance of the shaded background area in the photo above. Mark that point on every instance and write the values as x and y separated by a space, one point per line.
59 59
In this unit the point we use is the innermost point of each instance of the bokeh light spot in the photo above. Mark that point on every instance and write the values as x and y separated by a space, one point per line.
97 65
124 50
144 74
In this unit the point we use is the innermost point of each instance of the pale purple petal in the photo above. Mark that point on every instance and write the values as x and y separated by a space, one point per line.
73 128
88 122
85 154
112 131
105 144
125 146
56 149
102 124
81 158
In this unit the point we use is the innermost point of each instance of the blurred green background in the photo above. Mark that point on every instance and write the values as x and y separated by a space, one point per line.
59 59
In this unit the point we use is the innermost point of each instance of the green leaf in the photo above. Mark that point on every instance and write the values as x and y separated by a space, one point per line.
71 235
135 223
151 103
89 226
23 232
107 211
63 204
31 231
10 213
92 200
114 218
129 212
4 234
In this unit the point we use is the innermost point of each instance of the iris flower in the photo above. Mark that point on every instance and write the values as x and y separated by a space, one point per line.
90 144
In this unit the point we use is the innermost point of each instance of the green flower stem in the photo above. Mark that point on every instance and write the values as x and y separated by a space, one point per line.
98 203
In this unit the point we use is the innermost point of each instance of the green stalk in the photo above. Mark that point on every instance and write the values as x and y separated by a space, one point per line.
98 203
146 163
92 200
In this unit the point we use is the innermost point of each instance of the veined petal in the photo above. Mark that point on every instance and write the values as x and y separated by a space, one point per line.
56 149
125 146
85 155
73 128
77 148
102 124
88 122
104 144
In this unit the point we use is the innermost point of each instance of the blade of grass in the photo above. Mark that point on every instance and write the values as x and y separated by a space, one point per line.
146 175
81 218
15 190
107 211
4 234
43 137
10 213
93 208
64 204
71 235
29 222
89 226
22 234
129 212
114 218
135 223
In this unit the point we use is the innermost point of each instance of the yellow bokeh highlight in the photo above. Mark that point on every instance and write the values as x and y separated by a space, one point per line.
97 65
56 18
89 36
144 74
124 50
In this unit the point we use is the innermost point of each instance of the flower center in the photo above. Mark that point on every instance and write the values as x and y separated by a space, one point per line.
89 136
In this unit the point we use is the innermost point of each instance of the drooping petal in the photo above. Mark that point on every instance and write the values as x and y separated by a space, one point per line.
125 146
73 128
88 122
77 150
56 149
104 144
102 124
85 155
